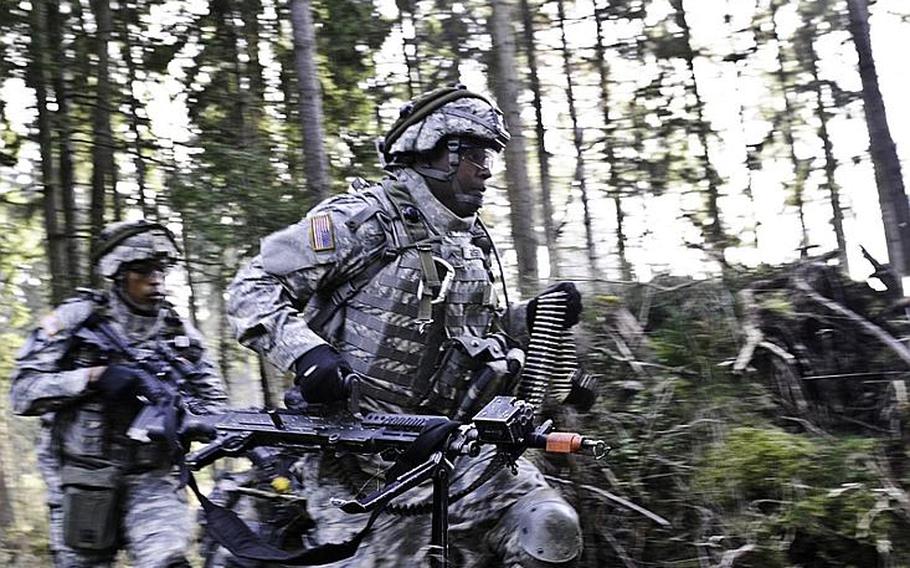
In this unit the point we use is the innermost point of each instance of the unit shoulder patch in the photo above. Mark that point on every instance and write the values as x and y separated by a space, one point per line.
322 232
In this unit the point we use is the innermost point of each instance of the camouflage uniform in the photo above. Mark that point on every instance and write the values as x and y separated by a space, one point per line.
52 380
275 299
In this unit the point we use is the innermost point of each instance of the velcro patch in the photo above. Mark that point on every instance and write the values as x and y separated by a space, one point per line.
322 232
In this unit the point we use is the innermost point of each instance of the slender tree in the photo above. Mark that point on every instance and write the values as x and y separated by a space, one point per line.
316 163
713 228
407 19
39 78
129 18
506 86
889 180
580 178
63 130
806 37
786 122
615 189
7 516
103 180
543 156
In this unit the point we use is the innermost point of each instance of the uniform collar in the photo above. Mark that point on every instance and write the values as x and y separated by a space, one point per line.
138 327
437 215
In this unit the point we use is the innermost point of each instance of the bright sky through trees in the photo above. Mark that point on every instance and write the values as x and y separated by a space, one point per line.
655 226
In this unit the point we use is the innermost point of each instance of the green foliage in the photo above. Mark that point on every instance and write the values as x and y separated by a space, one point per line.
754 463
350 32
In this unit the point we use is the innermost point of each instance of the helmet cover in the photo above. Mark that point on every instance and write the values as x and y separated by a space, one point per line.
131 241
465 114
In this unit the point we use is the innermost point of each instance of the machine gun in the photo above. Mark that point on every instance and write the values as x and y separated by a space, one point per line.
425 448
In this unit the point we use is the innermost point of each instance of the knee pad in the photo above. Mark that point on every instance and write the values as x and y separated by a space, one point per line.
549 532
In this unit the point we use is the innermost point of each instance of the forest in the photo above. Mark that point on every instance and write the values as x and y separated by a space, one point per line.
721 178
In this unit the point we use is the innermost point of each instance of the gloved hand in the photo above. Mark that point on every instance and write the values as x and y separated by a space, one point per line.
322 375
573 304
118 382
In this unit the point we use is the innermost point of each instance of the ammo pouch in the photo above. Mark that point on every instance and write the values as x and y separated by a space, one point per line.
452 381
91 500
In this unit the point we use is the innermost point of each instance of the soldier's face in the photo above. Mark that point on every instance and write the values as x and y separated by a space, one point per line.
464 196
144 283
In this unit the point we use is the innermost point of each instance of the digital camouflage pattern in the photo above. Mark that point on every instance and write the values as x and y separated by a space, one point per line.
152 244
51 380
462 117
377 331
273 299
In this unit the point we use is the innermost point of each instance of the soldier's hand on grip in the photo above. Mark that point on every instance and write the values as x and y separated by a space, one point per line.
321 375
117 382
573 303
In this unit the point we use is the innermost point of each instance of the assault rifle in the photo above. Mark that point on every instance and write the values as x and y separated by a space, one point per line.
161 374
425 448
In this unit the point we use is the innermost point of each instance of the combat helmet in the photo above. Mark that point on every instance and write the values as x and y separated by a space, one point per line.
449 113
130 241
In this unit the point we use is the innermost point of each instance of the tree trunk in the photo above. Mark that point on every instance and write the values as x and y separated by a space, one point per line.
409 47
891 195
837 212
190 277
288 81
615 190
799 172
102 144
506 87
39 79
543 157
577 141
314 156
64 151
714 233
7 516
130 17
224 337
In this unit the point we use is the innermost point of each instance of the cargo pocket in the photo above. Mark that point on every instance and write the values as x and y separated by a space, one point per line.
90 507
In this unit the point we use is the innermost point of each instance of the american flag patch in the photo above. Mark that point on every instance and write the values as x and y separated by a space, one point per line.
322 234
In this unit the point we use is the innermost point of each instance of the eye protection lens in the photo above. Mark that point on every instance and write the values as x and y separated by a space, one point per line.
147 268
482 159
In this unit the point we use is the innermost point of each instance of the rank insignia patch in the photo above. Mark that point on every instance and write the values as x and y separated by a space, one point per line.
322 233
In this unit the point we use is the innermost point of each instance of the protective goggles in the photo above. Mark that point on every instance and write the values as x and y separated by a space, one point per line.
147 267
482 158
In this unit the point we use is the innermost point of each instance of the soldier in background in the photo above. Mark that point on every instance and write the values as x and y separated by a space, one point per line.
106 491
395 282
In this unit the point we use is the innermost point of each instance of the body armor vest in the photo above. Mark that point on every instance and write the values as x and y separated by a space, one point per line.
380 330
95 432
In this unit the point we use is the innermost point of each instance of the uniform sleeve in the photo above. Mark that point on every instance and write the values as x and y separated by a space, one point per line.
266 298
207 386
514 320
38 383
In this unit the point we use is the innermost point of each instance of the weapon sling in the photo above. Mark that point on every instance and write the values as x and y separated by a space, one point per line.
236 536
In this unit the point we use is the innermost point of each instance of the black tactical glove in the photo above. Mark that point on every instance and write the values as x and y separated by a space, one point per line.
573 304
122 381
118 382
322 375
